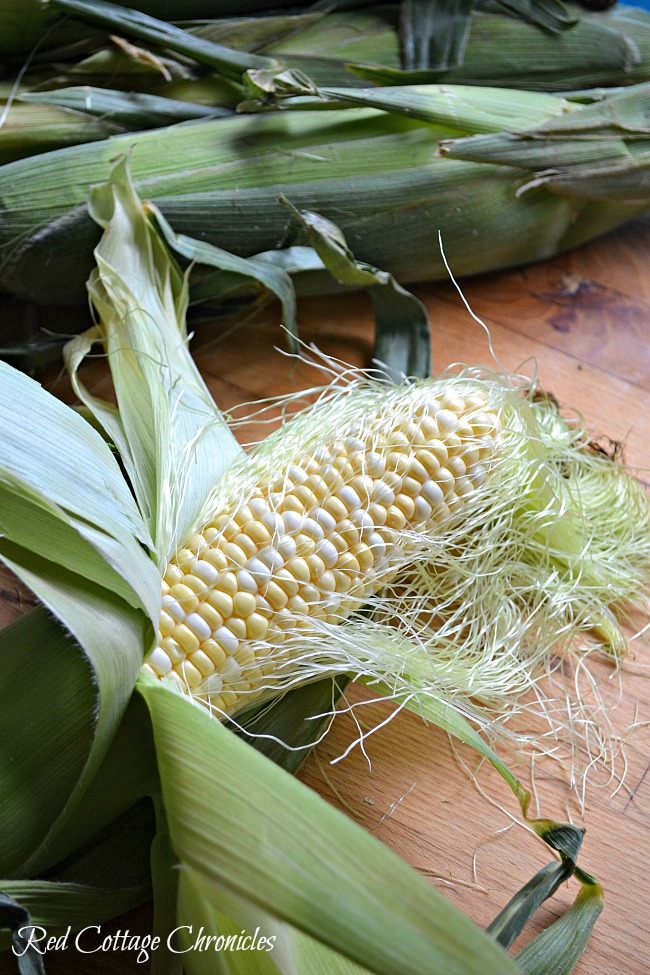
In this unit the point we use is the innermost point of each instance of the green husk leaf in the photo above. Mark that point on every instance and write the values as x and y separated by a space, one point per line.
275 279
130 110
506 149
402 339
373 173
626 180
556 950
290 950
113 637
286 850
599 49
124 21
434 33
452 106
171 437
56 905
165 877
509 923
255 33
127 774
53 463
553 15
15 917
43 757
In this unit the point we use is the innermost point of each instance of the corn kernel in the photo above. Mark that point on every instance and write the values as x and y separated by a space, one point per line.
317 485
316 566
406 505
186 638
411 487
335 507
257 532
198 625
202 662
191 675
378 513
456 465
348 563
226 639
166 624
256 626
234 553
395 518
237 627
305 545
221 601
214 651
243 604
159 661
216 558
363 554
184 595
275 595
193 582
173 650
173 574
289 503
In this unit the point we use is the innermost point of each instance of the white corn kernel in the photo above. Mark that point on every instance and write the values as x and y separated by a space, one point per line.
260 571
198 625
246 581
226 638
159 661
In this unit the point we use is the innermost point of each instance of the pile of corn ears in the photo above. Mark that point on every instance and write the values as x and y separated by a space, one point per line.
518 137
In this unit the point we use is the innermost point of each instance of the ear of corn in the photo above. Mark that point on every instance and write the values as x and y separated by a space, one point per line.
375 173
36 122
317 540
25 23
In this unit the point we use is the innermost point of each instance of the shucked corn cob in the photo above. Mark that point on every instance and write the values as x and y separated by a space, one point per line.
317 540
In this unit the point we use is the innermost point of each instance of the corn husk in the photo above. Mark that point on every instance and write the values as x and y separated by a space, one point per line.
24 23
352 47
375 170
549 46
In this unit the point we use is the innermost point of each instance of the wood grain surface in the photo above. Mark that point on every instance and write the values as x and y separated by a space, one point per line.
582 321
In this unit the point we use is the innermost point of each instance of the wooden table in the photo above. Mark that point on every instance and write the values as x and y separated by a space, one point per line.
584 319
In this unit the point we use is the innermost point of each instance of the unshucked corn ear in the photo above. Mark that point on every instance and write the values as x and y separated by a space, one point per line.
374 170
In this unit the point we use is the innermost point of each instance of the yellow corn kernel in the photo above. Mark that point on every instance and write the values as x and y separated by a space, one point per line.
214 651
275 595
166 624
185 596
256 626
221 601
237 627
258 532
212 617
243 604
186 638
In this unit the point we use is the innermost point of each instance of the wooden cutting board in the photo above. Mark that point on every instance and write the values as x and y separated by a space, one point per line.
582 321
